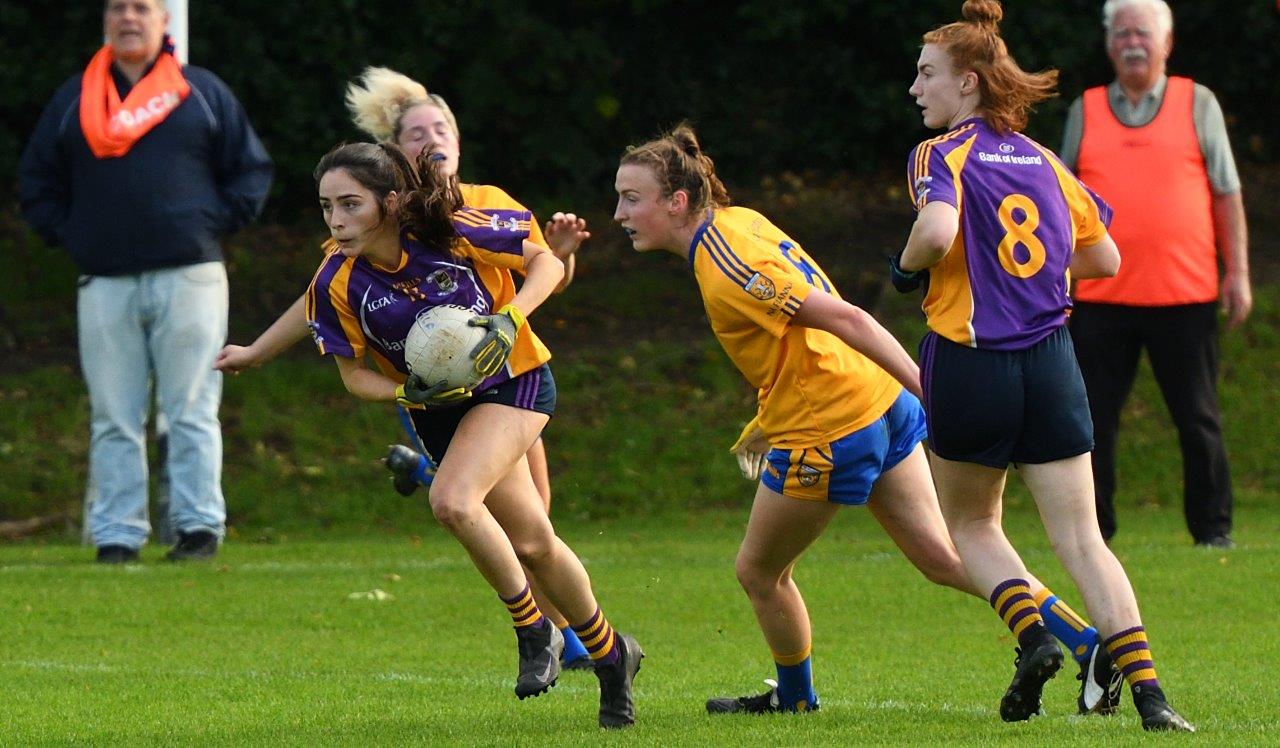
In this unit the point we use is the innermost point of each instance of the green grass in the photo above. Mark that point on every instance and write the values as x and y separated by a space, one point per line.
264 645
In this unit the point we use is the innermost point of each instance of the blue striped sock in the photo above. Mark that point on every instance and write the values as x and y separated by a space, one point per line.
425 472
1067 626
795 683
573 648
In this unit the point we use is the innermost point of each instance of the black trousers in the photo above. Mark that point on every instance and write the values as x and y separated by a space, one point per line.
1182 345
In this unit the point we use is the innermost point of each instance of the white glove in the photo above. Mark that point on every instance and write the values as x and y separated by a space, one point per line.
751 449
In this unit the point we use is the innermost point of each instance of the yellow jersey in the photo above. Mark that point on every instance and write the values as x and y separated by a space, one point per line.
813 388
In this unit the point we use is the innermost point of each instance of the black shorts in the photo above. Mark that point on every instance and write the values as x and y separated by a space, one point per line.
534 390
996 407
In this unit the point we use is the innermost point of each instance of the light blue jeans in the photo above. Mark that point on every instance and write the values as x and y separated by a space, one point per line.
161 328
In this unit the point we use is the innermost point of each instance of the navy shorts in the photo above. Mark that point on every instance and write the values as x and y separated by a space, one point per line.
534 390
997 407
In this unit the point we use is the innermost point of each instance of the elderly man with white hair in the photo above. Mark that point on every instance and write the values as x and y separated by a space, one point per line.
1155 147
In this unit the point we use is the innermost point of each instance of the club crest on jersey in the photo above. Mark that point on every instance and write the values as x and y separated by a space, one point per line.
443 281
808 476
760 287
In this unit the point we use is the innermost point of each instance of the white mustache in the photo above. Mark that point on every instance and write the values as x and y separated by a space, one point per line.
1129 55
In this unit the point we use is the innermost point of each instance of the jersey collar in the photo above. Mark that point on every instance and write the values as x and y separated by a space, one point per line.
697 236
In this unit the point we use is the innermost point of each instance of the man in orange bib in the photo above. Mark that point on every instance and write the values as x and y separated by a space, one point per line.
138 167
1156 149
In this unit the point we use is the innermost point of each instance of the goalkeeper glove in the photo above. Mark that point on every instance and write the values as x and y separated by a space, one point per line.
493 351
415 391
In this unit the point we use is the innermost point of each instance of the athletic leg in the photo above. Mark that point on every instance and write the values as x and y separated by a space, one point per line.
1062 490
905 503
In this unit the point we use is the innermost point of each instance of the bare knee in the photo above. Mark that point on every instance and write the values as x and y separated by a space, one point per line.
945 569
756 580
452 508
537 551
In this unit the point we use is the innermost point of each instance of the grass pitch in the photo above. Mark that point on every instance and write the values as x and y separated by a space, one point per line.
278 643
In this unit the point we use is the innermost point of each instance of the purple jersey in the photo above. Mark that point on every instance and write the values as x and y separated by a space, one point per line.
1003 284
356 308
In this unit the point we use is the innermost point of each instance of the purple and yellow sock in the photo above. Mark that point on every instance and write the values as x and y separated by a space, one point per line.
1066 625
1012 601
795 680
597 636
1131 653
524 611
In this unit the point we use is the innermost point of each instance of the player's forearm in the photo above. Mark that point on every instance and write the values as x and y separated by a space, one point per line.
862 333
364 383
542 275
283 334
1100 260
1231 233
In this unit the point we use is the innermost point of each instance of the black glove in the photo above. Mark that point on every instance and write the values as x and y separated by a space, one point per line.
903 281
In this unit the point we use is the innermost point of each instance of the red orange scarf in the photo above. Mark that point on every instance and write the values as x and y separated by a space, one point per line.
111 126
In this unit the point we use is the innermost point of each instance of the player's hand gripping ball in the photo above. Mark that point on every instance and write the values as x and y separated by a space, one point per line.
437 351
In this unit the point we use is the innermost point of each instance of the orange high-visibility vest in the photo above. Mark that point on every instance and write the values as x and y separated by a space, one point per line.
1155 179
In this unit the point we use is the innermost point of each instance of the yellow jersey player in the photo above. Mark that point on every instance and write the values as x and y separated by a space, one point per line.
1002 228
832 404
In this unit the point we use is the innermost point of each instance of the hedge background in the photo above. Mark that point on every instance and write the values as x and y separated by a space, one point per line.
548 93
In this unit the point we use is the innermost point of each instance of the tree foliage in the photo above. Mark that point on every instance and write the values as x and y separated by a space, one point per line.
547 94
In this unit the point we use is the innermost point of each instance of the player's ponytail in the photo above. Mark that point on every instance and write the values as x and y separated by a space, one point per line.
678 163
1007 92
380 98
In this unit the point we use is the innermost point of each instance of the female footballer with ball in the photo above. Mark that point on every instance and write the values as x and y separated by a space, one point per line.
402 247
393 108
1002 226
840 429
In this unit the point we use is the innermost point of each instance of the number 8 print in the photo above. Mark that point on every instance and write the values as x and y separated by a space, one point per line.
1020 232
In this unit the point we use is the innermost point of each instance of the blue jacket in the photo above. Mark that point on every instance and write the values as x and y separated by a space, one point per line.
199 175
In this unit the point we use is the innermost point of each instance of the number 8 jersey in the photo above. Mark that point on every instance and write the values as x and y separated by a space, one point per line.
1003 284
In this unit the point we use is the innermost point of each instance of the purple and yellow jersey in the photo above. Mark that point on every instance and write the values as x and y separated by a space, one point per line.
356 308
1003 284
813 389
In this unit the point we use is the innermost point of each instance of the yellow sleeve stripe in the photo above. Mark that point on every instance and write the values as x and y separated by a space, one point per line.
338 297
924 152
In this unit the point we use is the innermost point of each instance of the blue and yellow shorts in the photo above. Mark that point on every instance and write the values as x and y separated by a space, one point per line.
844 471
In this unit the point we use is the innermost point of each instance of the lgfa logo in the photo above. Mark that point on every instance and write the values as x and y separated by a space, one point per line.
156 107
